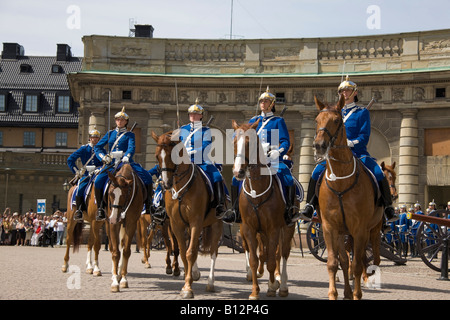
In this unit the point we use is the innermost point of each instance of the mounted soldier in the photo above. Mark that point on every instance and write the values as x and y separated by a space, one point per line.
87 157
357 127
119 139
197 139
275 149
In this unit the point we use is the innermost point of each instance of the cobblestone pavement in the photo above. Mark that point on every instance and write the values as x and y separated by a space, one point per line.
35 273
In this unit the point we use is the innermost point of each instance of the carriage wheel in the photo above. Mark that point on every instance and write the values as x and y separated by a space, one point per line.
430 240
158 241
316 242
390 252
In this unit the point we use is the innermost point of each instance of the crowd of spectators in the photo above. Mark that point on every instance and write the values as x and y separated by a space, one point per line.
32 229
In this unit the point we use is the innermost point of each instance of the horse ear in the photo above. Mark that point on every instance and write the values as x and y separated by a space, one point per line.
341 103
112 177
155 136
382 165
393 165
234 124
255 124
319 103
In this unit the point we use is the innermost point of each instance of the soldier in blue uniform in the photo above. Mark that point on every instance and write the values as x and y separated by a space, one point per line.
197 140
275 149
357 127
119 139
414 226
157 209
87 156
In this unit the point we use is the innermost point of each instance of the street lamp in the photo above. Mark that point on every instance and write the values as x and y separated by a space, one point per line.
66 186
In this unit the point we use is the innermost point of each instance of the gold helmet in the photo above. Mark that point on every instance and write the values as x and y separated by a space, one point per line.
94 133
417 205
195 108
122 114
347 84
267 95
432 203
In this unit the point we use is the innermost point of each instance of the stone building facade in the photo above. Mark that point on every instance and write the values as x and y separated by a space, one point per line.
408 74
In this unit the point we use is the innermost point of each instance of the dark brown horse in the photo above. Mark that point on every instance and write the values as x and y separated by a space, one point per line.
188 207
262 210
74 233
146 231
126 196
346 200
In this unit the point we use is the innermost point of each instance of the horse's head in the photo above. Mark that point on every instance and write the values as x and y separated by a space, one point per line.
246 148
330 129
169 153
119 192
391 176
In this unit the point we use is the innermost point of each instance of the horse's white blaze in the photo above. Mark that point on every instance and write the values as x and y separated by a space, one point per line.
239 160
115 211
164 176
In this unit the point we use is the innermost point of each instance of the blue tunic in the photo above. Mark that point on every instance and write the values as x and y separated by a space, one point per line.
357 127
127 145
197 140
273 130
84 153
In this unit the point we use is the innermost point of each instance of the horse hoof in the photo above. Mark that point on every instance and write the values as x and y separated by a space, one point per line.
187 294
259 275
253 297
115 289
89 271
124 284
64 269
249 277
210 288
97 274
271 293
283 293
147 266
168 270
195 276
176 273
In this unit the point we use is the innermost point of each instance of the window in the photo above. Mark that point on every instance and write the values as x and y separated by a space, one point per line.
56 68
63 104
1 138
2 102
280 97
31 103
61 139
29 139
440 92
437 142
25 68
126 95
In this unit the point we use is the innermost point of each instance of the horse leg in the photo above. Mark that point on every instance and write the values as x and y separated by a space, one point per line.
359 248
115 255
344 259
192 272
331 242
216 234
89 267
262 256
165 234
272 245
69 239
249 237
375 240
176 253
97 244
286 236
178 230
127 233
147 244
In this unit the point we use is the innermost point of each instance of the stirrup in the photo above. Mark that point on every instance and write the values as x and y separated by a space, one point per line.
100 215
78 215
228 216
307 213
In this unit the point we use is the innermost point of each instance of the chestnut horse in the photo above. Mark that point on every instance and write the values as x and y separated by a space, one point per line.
74 233
346 200
391 176
262 211
188 207
126 196
146 231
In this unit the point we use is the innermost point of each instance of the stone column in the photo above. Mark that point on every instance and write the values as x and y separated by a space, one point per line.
306 161
155 121
408 177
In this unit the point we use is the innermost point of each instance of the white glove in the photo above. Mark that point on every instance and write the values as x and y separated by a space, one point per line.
350 143
96 171
107 159
190 151
274 154
125 159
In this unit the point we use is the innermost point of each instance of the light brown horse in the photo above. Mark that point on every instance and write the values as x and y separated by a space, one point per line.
262 210
146 231
188 207
346 200
391 176
74 233
126 196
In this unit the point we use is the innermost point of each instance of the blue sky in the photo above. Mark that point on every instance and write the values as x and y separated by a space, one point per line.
40 25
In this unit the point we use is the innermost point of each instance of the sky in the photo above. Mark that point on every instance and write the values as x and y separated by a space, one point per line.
40 25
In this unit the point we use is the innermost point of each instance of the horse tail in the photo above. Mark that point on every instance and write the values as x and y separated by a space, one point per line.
77 235
206 240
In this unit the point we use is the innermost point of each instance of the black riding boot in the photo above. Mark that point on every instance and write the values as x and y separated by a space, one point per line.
386 197
311 201
149 199
78 214
159 215
232 214
291 213
101 215
220 196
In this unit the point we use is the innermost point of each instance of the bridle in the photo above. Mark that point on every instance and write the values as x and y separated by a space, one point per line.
131 192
